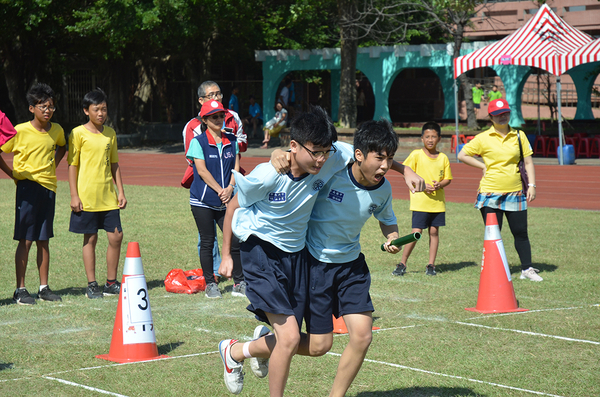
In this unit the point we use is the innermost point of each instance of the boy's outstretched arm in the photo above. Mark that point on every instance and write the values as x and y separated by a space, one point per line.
116 174
226 267
391 233
414 182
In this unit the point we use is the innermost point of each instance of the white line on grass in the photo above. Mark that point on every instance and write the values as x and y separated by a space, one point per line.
530 333
532 311
453 376
66 382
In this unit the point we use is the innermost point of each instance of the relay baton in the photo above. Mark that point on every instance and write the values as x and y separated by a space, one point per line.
409 238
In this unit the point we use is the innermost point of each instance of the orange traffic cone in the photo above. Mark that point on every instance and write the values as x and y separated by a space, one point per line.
339 326
133 334
496 292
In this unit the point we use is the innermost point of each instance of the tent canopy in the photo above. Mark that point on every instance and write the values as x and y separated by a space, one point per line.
587 54
543 42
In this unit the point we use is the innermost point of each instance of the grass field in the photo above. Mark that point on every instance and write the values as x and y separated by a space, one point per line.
428 344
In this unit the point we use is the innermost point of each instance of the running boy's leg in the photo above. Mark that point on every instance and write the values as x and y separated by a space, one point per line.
360 331
287 335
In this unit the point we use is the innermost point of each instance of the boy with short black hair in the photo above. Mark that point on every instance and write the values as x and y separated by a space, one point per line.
270 214
38 148
429 206
339 275
93 165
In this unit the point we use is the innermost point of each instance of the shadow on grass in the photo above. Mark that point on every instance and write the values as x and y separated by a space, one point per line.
453 267
422 392
4 366
167 348
155 284
542 267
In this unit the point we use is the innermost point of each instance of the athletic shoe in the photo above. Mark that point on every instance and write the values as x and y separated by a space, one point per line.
22 297
232 372
112 289
93 291
212 291
400 269
46 294
260 366
531 274
430 270
239 289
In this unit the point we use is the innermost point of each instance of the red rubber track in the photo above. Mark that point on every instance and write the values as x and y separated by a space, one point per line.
576 187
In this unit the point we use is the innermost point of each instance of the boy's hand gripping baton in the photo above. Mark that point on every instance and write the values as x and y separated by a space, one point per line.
409 238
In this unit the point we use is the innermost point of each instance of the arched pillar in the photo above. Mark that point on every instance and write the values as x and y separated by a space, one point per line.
513 77
583 78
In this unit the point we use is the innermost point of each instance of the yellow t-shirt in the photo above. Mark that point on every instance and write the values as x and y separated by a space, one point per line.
34 153
93 155
501 157
430 170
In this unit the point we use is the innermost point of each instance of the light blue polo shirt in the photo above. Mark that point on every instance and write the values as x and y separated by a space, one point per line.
341 210
276 208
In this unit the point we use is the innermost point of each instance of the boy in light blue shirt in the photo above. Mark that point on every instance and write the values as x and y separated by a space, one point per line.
339 275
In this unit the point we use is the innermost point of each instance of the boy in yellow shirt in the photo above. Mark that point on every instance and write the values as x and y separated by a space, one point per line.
428 207
38 148
93 165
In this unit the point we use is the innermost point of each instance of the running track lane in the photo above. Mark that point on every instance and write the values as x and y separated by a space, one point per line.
575 186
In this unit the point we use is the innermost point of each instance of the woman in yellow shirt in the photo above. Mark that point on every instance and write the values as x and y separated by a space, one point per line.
500 189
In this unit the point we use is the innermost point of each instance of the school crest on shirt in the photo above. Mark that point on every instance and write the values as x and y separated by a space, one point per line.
318 184
372 208
336 196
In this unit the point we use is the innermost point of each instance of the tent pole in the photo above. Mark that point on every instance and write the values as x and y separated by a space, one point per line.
539 130
456 115
561 160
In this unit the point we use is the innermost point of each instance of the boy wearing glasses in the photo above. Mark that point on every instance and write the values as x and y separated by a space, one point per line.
38 148
270 214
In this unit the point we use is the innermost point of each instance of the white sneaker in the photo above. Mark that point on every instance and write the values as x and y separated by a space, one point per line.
260 366
232 373
531 274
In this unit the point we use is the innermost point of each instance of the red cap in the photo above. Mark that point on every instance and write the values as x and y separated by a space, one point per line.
210 107
498 106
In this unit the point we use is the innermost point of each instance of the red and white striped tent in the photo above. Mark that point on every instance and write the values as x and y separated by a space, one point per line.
587 54
543 42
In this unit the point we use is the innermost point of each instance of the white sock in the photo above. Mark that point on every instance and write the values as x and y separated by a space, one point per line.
246 350
42 287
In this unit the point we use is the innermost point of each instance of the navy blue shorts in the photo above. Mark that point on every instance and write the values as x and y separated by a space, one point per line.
422 220
85 222
277 280
34 212
338 289
477 106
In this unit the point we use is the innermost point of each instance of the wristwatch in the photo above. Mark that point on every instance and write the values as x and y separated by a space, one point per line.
531 184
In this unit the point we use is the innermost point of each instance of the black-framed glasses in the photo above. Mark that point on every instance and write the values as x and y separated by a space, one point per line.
213 95
320 153
44 108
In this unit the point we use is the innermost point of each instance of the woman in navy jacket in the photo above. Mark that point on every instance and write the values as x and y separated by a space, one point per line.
214 154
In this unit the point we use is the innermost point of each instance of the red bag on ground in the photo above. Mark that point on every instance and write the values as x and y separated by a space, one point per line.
188 282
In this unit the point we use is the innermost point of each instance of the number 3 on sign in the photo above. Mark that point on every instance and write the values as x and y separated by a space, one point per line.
139 305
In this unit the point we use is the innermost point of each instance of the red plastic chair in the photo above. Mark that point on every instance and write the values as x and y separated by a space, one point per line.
540 146
595 147
453 143
469 138
580 135
584 147
552 146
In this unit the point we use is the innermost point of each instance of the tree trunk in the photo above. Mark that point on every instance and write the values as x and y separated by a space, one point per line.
17 85
464 82
349 49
